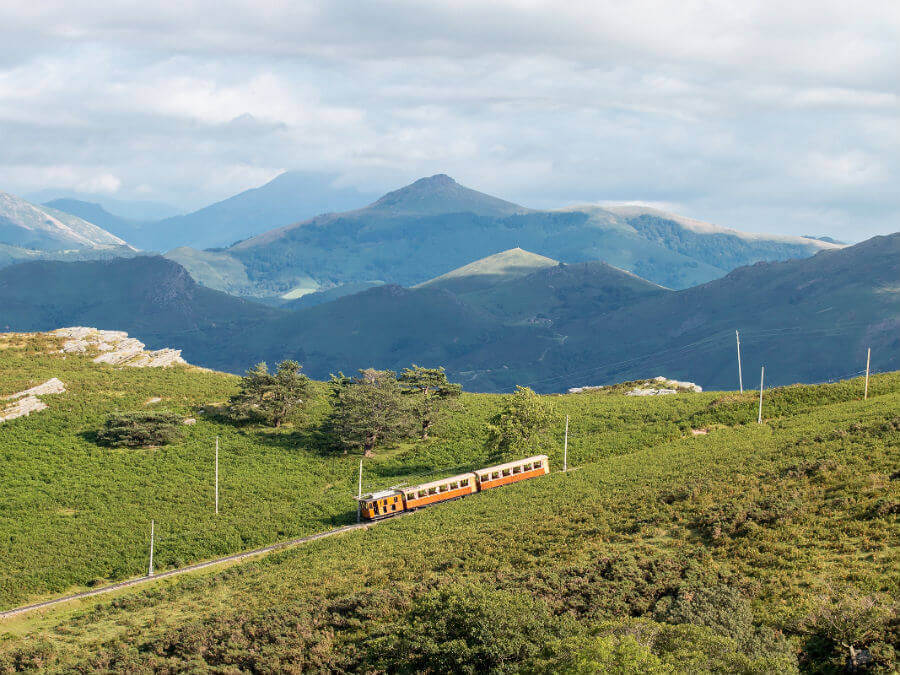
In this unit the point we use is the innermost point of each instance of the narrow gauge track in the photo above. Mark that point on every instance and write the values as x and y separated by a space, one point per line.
234 557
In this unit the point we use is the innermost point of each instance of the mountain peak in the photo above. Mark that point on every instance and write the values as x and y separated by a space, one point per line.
440 194
509 264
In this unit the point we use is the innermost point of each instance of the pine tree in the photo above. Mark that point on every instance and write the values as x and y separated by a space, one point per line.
429 393
368 410
270 398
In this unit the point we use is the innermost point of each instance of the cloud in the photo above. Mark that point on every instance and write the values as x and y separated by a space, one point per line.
755 115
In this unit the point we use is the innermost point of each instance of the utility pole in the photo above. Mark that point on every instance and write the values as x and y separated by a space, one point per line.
762 376
359 495
217 475
868 358
740 375
150 570
566 447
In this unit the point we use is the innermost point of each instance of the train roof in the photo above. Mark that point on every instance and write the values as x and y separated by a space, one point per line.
435 483
509 465
378 495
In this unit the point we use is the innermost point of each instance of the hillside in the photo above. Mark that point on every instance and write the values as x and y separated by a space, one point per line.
147 296
569 325
133 231
435 225
489 271
666 551
41 228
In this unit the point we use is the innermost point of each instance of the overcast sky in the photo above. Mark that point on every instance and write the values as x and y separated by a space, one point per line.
770 116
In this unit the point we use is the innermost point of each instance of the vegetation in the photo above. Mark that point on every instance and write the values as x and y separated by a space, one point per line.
140 430
522 424
429 393
752 548
271 398
368 410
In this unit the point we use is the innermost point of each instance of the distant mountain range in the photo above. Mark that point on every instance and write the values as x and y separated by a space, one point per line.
280 248
513 318
436 225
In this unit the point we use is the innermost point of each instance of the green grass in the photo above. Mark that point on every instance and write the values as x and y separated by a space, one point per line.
781 512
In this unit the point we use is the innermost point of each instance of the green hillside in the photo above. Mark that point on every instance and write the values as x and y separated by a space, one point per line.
489 271
729 551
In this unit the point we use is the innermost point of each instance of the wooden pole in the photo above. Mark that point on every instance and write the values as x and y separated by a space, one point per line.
740 374
868 358
566 447
217 475
762 376
150 569
359 495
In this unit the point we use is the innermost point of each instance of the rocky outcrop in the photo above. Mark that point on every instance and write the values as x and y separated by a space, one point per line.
26 402
115 348
663 386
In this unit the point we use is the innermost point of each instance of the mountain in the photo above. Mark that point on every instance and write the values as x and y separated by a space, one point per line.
41 228
147 296
291 196
133 231
140 210
489 271
435 225
559 326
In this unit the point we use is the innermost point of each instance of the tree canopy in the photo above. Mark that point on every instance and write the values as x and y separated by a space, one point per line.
270 398
429 394
522 423
368 410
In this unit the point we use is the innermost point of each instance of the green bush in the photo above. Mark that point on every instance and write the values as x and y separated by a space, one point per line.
140 429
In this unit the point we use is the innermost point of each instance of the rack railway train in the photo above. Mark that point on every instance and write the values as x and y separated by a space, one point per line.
387 503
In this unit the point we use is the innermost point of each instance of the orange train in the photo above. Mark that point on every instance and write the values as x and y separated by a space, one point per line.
387 503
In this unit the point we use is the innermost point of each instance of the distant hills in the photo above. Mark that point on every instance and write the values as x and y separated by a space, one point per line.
41 228
150 297
280 248
513 318
435 225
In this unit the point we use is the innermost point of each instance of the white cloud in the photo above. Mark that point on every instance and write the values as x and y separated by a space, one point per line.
725 109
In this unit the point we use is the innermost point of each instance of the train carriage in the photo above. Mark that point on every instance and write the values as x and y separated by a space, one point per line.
381 504
511 472
440 490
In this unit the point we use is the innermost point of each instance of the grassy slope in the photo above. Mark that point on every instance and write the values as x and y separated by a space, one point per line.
73 512
780 512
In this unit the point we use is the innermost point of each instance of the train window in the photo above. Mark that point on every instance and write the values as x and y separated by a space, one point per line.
484 477
537 465
432 491
527 467
422 494
442 488
464 482
505 472
393 507
495 475
517 469
454 486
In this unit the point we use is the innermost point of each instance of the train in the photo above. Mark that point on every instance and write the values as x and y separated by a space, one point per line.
394 501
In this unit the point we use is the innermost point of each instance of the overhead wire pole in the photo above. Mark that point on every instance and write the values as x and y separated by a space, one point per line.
217 475
150 569
762 376
359 495
566 447
868 358
740 374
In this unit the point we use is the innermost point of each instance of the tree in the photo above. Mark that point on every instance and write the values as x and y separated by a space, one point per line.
140 429
368 410
429 393
270 398
522 423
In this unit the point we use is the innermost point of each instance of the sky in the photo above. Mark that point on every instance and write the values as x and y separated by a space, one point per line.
764 116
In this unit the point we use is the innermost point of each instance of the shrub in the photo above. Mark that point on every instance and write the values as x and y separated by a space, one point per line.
140 429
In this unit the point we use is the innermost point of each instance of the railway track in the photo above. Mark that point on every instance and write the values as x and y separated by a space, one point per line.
234 557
